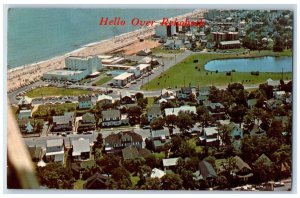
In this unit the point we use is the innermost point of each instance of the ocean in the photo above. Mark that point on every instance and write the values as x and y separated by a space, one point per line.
37 34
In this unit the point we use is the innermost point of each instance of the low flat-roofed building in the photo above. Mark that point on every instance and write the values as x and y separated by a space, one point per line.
144 68
230 44
66 75
123 79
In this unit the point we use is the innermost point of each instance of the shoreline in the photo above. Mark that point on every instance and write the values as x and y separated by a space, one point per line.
29 73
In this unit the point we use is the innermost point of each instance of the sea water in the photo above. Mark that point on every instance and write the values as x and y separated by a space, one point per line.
36 34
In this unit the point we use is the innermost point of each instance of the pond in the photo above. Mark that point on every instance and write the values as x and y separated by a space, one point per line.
262 64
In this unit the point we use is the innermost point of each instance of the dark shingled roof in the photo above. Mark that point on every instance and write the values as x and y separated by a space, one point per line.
111 114
130 153
207 170
96 181
117 138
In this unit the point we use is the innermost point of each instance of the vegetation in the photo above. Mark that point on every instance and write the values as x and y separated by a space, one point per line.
56 91
103 80
54 109
189 73
160 50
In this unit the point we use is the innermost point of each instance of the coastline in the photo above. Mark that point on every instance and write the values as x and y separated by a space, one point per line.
26 74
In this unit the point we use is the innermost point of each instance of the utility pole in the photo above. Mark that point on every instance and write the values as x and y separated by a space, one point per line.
282 73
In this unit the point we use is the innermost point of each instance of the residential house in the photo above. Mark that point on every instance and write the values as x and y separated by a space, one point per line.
25 126
176 110
105 99
184 93
84 102
263 159
97 181
236 132
203 94
55 151
64 122
154 112
127 98
157 173
113 118
25 103
272 103
210 136
274 83
116 142
217 110
25 113
167 94
242 171
251 103
130 153
81 149
206 172
257 131
170 163
279 95
87 123
159 138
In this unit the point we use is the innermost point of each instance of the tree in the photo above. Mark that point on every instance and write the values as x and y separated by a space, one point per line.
151 184
157 123
134 164
171 182
184 121
276 129
121 178
56 176
237 113
139 96
278 44
224 132
204 116
263 170
108 163
144 120
134 114
170 121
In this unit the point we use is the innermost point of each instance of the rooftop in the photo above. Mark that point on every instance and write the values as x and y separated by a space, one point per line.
54 142
123 76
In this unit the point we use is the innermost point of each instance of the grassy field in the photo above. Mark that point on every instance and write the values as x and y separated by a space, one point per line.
160 50
55 91
185 72
44 110
79 184
103 80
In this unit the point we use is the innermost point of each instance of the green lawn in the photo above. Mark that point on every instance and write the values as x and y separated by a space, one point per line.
79 184
185 72
160 50
56 91
44 110
103 80
150 102
134 180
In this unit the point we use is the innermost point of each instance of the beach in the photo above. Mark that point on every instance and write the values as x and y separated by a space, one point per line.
28 74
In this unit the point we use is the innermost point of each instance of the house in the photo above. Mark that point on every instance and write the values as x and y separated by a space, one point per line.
217 110
127 98
251 103
123 79
25 113
55 151
274 83
105 99
144 52
130 153
242 170
97 181
257 131
113 118
116 142
25 103
204 93
279 95
25 126
64 122
159 138
85 102
87 123
206 172
210 136
235 131
272 103
167 94
170 163
154 112
173 44
184 93
176 110
81 149
157 173
263 159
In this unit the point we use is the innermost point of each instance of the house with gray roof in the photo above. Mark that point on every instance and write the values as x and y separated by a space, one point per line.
170 163
25 113
130 153
55 151
154 112
210 136
84 102
159 138
25 103
116 142
176 110
207 172
64 122
113 117
87 123
251 103
81 149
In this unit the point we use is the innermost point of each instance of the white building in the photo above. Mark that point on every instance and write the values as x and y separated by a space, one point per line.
164 31
175 111
123 79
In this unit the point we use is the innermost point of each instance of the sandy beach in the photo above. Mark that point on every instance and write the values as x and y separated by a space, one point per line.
27 74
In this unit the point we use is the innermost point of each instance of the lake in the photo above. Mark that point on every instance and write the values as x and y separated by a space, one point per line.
262 64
